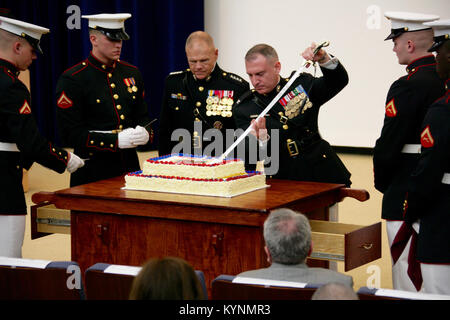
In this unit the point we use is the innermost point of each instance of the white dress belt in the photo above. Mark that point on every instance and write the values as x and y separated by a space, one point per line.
8 146
107 131
411 148
446 178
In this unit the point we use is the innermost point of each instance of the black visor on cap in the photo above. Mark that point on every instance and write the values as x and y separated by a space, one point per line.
438 41
35 43
395 33
114 34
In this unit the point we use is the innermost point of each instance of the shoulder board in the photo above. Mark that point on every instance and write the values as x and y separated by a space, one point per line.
10 74
126 64
247 95
179 72
233 77
76 68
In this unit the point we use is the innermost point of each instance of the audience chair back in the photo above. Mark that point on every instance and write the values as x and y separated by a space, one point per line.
113 282
366 293
226 287
26 279
109 281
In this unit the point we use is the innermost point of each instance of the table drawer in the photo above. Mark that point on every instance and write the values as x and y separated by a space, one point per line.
354 245
47 219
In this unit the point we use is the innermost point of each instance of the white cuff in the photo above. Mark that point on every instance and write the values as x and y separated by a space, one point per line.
330 64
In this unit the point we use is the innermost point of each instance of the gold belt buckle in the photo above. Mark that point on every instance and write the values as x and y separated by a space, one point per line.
283 119
292 148
196 112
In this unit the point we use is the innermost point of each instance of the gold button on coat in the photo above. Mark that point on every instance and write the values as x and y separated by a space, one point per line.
113 85
201 89
116 96
119 107
122 117
198 104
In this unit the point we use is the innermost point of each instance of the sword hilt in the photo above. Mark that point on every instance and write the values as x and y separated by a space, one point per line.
320 46
317 49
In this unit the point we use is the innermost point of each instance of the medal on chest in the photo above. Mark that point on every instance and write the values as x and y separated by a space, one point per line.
131 84
219 103
295 102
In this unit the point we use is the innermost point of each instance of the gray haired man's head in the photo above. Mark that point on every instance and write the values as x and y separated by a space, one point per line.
288 236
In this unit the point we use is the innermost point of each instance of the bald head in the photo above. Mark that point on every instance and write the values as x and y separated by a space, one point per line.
201 54
200 37
334 291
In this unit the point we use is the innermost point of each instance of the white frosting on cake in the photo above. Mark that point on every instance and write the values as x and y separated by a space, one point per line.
191 167
195 175
224 188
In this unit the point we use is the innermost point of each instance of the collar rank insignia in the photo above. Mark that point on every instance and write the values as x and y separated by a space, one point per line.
25 109
426 139
391 110
64 102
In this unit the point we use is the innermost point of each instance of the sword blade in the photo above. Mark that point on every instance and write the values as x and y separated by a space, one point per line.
267 109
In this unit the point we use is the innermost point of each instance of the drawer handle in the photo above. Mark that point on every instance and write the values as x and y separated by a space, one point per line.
367 246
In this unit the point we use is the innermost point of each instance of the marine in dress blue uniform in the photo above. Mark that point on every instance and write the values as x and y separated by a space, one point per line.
428 198
192 100
397 149
303 154
99 103
21 144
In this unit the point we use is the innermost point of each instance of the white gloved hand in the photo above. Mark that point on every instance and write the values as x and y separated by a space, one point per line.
74 162
140 136
124 137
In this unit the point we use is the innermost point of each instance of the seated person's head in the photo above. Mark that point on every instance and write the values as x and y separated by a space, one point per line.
334 291
166 279
287 235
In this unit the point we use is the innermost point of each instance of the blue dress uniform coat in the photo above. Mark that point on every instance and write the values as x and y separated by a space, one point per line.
94 103
186 101
18 127
407 102
428 196
303 154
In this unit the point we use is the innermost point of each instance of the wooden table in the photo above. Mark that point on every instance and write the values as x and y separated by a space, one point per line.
216 235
